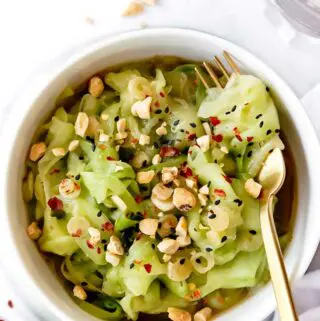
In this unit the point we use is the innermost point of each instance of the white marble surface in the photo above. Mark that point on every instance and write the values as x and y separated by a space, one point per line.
34 33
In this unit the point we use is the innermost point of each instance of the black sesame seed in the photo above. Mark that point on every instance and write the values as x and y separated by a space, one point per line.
99 213
195 229
209 184
249 153
144 163
105 247
81 157
156 145
166 110
176 122
159 225
270 151
277 130
153 246
239 155
208 249
93 147
224 238
267 89
258 116
193 125
103 241
131 265
172 229
261 124
158 111
215 161
253 232
116 118
182 261
227 112
217 202
84 283
77 177
212 216
144 188
234 108
238 202
269 131
250 144
182 130
198 261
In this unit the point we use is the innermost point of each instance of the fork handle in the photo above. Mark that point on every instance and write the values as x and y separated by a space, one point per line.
277 268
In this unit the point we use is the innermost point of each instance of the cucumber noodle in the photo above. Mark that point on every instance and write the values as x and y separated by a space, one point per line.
82 194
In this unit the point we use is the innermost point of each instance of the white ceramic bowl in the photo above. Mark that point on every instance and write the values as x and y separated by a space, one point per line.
27 268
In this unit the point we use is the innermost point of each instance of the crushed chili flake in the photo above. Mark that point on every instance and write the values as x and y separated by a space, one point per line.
214 121
54 171
228 179
192 136
102 147
10 304
110 158
217 138
137 261
55 203
186 172
145 214
249 139
219 192
98 250
239 138
147 267
237 134
134 140
107 226
90 246
197 294
138 199
162 94
157 104
169 151
77 233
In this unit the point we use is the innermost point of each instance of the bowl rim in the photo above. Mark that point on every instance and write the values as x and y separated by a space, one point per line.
28 99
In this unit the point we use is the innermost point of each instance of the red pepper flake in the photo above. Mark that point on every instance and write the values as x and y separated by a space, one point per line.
77 233
228 179
162 94
145 214
147 267
55 203
195 81
90 246
169 151
239 138
217 138
196 178
138 199
215 121
186 172
219 192
249 139
98 250
102 147
197 294
134 141
107 226
54 171
192 136
190 152
137 261
138 237
10 304
237 134
157 104
110 158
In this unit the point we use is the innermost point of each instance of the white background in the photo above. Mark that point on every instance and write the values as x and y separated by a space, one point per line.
33 33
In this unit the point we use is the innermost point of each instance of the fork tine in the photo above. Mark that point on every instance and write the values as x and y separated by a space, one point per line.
231 62
221 66
201 77
212 75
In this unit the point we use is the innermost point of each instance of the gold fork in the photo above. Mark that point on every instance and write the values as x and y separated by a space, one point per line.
271 177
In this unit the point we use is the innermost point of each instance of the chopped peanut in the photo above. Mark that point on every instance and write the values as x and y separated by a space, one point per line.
149 226
96 86
164 206
113 259
37 151
156 159
161 131
142 108
104 116
134 8
81 124
115 246
182 227
224 150
184 240
191 183
120 136
58 151
178 315
33 231
204 190
162 192
121 125
253 188
203 199
166 258
93 127
144 140
168 246
79 292
145 177
104 137
167 224
207 128
95 235
183 200
169 174
73 145
203 315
